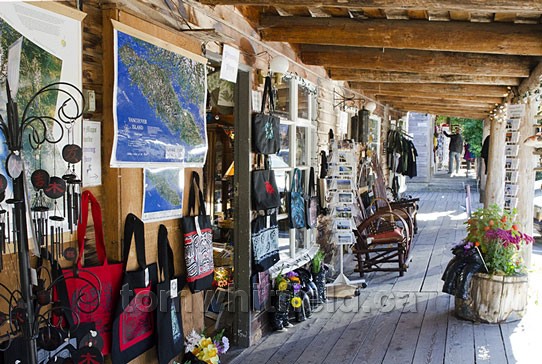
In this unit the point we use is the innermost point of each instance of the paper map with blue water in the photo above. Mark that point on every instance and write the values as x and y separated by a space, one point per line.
163 197
159 105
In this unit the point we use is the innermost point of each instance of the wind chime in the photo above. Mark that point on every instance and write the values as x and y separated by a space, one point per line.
4 220
72 154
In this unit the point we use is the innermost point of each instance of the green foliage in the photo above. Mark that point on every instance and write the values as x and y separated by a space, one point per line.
494 232
472 131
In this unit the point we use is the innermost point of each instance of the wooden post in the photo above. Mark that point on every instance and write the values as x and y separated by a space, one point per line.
527 160
494 193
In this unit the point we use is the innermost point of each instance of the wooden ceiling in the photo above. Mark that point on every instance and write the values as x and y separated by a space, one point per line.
453 57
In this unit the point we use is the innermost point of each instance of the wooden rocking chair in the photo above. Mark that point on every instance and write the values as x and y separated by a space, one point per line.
383 242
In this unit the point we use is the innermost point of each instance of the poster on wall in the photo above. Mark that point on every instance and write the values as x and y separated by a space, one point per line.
163 193
159 101
40 45
92 156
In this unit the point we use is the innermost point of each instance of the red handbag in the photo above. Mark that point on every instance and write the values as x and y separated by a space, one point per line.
94 291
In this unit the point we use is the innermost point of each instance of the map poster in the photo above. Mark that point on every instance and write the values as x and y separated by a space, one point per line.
92 156
163 197
159 103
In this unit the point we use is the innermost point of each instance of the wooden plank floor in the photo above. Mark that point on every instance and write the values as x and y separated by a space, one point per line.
407 319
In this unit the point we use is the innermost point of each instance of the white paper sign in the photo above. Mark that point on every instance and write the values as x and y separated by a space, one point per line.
14 65
256 101
174 290
515 111
343 123
230 63
92 156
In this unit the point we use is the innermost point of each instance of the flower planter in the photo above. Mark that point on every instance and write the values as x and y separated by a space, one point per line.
494 299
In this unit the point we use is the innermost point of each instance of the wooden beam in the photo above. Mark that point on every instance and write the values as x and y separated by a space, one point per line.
438 98
401 60
445 102
439 89
452 5
498 38
404 77
460 113
438 109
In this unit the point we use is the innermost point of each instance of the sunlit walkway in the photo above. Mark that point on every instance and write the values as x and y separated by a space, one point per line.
416 325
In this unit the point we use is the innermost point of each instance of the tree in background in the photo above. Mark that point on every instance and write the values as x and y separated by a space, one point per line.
472 131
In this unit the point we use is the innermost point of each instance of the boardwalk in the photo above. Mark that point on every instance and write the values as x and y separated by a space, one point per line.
406 319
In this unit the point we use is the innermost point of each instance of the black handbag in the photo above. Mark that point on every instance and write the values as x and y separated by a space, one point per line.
265 242
265 193
265 127
198 241
311 204
296 202
134 326
169 323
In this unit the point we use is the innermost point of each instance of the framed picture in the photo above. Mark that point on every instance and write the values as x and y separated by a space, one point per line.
343 224
345 238
343 184
344 212
345 198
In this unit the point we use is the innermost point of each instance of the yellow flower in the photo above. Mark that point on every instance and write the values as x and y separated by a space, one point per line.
296 302
209 352
204 342
283 285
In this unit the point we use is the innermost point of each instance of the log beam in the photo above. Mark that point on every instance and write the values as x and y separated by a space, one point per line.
439 89
460 113
404 77
439 98
501 6
445 102
401 60
497 38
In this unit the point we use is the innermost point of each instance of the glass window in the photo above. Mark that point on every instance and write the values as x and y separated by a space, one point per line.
303 105
283 99
301 146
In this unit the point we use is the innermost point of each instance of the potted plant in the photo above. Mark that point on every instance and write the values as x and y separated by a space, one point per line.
487 274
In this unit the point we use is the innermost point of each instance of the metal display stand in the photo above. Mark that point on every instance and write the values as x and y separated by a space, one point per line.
38 127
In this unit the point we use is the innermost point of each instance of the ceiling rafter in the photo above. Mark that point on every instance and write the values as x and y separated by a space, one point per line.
408 60
502 6
431 88
493 38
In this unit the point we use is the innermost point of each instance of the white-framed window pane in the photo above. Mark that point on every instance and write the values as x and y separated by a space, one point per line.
283 101
302 148
303 106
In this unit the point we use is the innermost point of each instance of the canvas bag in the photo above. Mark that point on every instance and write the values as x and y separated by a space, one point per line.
265 242
134 326
265 127
198 241
169 323
92 292
265 193
311 203
296 202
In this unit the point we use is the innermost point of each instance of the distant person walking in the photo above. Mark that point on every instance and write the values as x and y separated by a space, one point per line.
455 149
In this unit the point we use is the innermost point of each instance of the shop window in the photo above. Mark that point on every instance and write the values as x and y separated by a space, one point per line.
297 108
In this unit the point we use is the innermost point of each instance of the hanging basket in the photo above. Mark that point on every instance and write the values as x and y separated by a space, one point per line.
494 299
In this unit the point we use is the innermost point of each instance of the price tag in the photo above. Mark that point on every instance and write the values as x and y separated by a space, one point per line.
268 223
198 230
33 277
147 277
173 288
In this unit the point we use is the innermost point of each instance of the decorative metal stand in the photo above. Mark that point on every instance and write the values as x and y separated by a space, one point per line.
24 304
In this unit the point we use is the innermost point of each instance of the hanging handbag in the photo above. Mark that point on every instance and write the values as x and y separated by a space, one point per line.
265 127
265 194
265 242
322 182
92 292
296 202
134 326
311 203
169 323
198 241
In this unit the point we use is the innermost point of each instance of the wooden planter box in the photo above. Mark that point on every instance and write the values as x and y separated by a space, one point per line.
494 299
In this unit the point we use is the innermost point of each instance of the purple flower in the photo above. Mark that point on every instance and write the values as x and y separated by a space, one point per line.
291 274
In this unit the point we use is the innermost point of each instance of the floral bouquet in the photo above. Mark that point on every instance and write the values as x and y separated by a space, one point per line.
202 349
496 236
